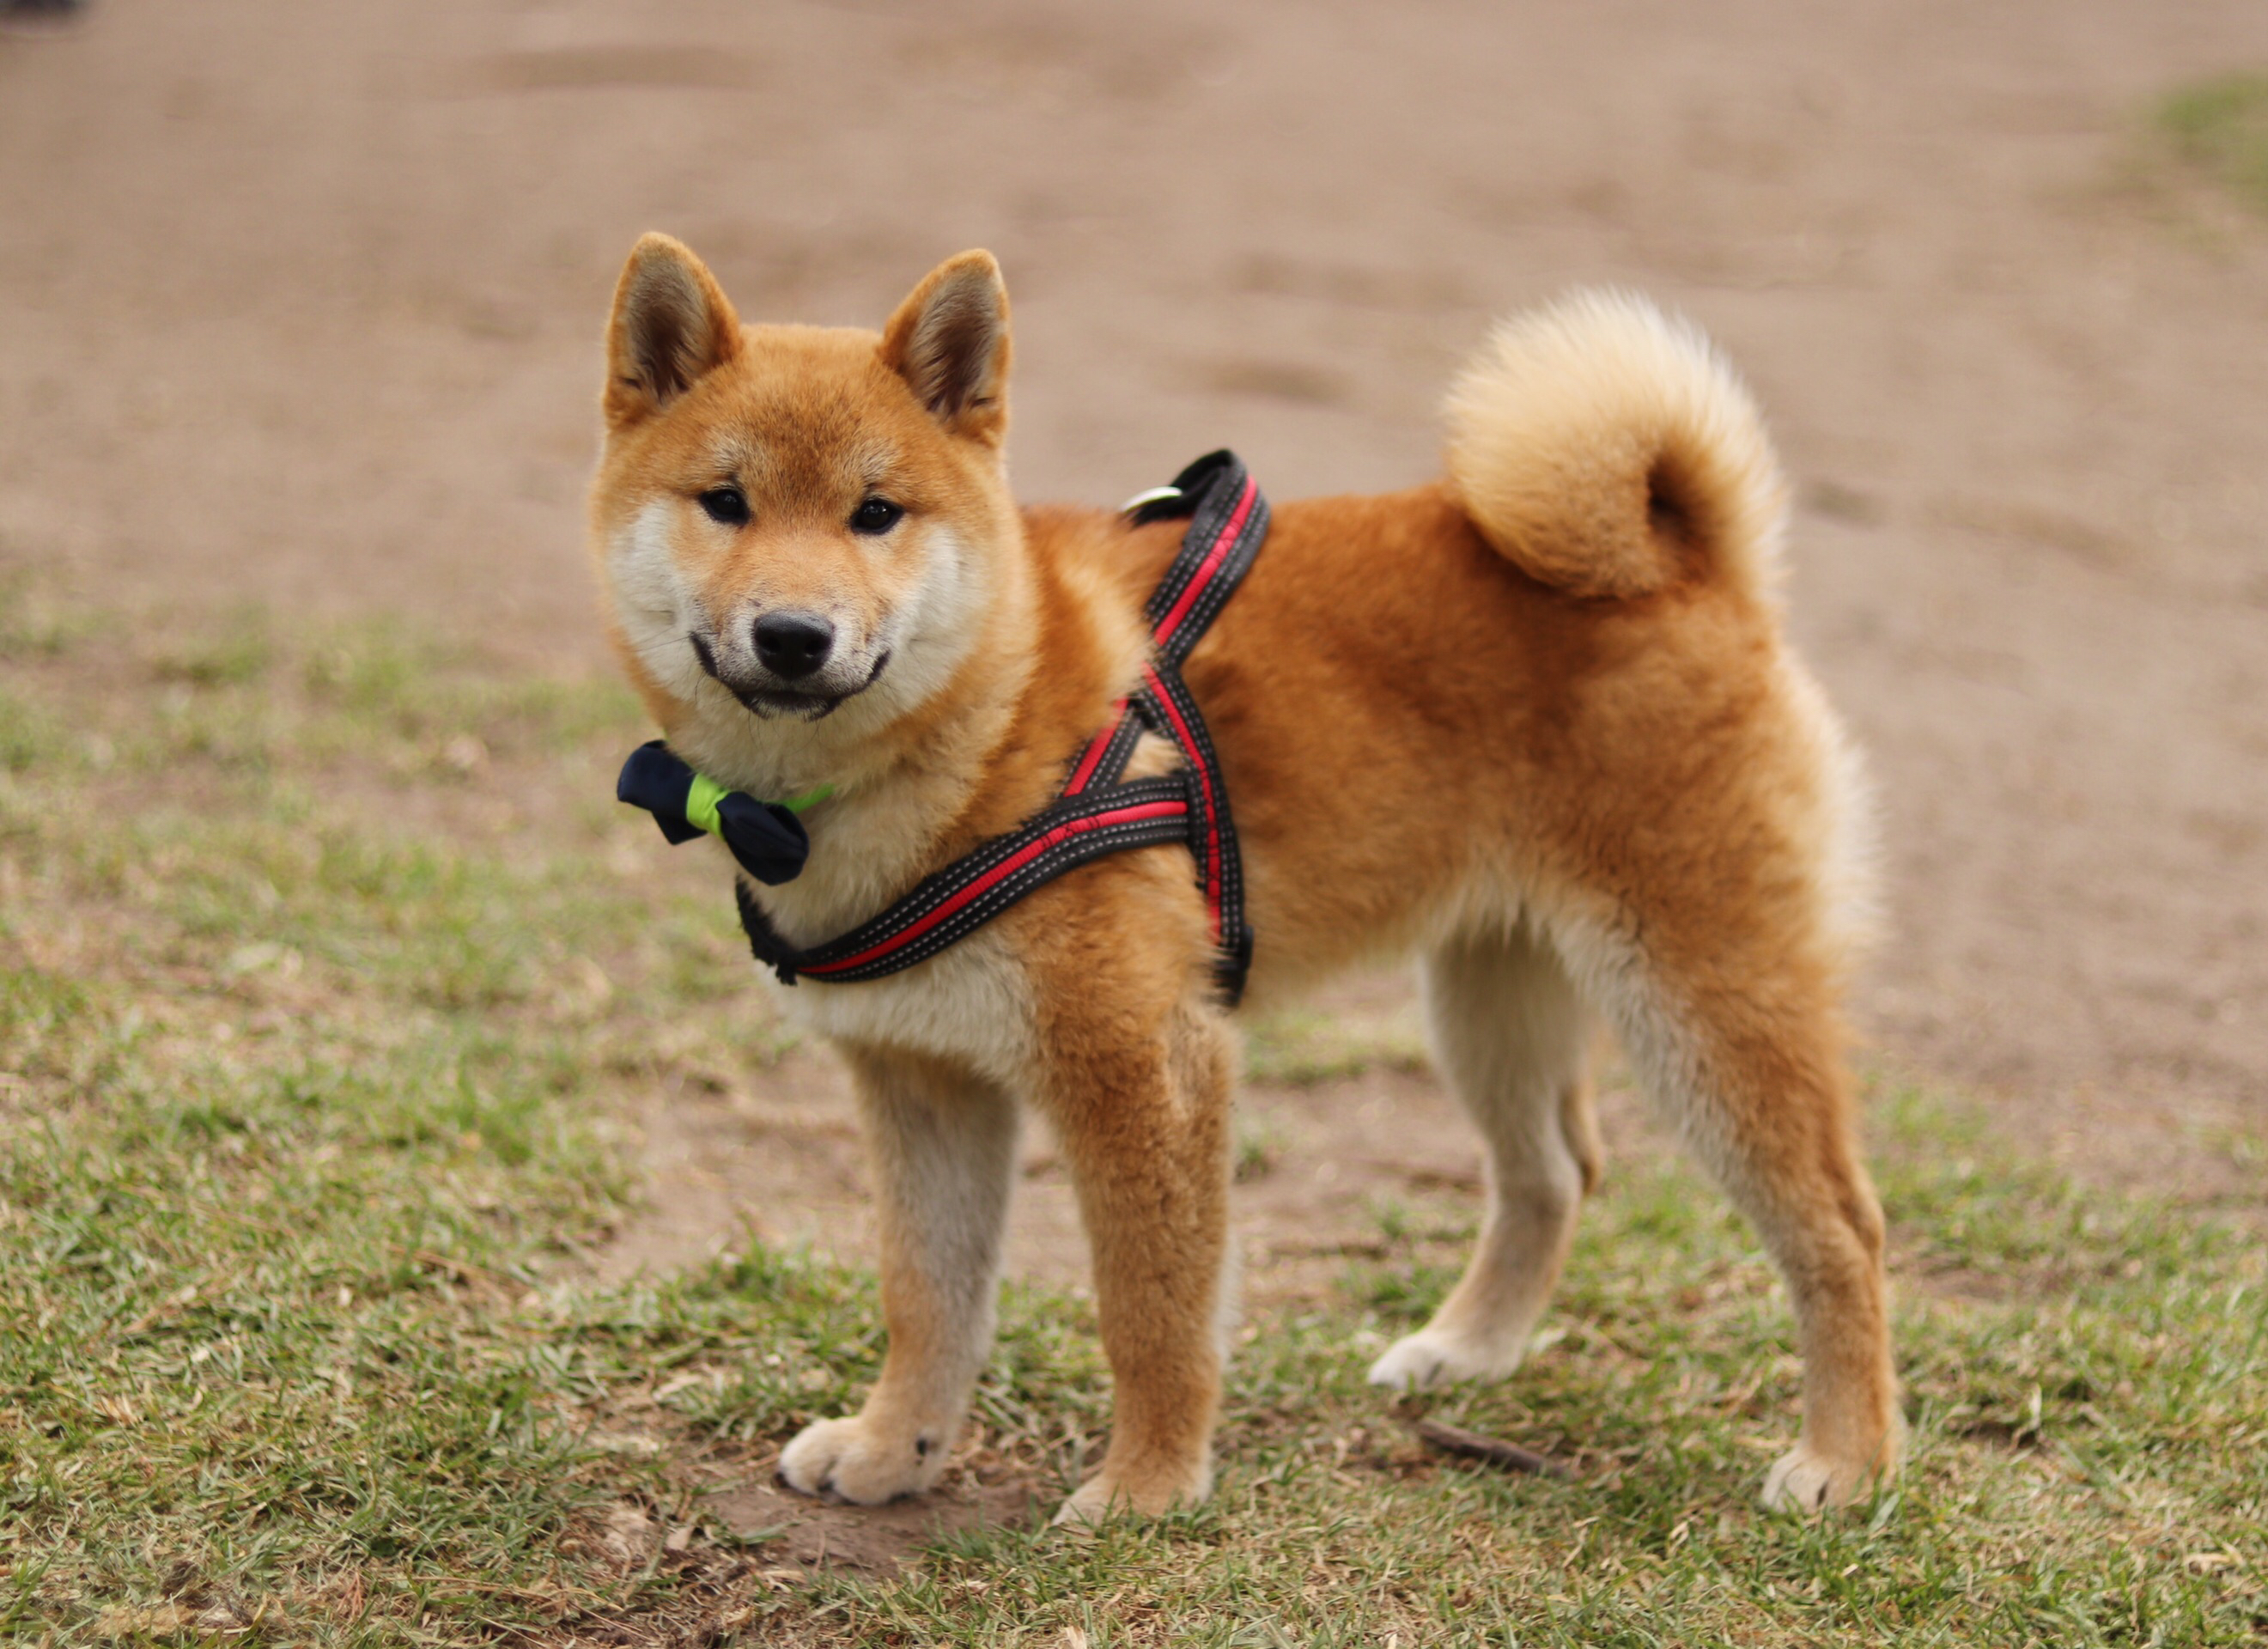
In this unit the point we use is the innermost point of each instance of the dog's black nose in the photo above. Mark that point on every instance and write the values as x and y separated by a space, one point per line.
792 645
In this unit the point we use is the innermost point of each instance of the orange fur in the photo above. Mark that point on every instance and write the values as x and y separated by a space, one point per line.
1536 723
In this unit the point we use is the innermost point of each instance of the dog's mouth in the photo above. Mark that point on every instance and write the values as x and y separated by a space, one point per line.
771 702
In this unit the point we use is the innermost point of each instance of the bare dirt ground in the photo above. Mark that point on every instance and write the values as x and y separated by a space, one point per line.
299 306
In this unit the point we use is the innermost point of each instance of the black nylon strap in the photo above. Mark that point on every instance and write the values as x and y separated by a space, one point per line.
1220 496
1125 734
1212 833
1179 499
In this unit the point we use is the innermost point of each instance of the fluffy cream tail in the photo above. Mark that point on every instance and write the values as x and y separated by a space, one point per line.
1607 450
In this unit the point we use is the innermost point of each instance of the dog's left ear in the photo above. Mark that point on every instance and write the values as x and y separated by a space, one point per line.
949 342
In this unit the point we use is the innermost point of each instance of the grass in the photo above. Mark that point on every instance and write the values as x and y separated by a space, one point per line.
1302 1047
325 966
2220 128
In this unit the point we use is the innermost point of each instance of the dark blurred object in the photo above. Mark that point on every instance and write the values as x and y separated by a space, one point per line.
39 8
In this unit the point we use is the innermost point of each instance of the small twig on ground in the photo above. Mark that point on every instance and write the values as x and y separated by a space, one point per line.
1457 1441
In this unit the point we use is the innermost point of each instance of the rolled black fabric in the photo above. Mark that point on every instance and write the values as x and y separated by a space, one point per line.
770 842
657 781
767 839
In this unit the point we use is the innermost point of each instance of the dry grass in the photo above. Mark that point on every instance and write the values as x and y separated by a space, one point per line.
2220 128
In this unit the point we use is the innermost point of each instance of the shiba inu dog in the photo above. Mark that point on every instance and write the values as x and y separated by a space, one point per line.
1534 722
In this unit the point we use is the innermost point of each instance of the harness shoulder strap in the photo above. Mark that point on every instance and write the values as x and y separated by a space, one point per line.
1228 523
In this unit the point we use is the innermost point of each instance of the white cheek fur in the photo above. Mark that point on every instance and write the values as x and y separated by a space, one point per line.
652 602
934 624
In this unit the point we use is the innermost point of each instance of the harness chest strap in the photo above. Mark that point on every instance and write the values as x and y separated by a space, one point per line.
1097 812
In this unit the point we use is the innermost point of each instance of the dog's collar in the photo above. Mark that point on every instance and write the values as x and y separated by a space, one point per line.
766 837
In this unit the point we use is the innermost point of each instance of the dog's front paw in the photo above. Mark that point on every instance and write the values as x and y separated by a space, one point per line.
1109 1493
1430 1357
1800 1481
857 1460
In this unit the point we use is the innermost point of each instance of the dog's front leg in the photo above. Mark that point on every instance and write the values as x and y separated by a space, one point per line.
943 1146
1146 1128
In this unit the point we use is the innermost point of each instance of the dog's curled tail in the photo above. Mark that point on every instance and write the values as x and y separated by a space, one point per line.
1606 449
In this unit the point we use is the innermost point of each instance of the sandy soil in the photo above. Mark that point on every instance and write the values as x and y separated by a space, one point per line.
299 305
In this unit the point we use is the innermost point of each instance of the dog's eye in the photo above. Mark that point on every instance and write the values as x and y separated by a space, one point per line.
727 506
875 516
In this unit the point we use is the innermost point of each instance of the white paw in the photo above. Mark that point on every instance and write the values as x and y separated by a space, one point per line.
848 1460
1420 1361
1800 1481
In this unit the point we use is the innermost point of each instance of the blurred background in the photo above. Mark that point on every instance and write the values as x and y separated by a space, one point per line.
299 309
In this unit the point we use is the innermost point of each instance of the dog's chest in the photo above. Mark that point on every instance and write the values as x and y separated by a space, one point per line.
970 1006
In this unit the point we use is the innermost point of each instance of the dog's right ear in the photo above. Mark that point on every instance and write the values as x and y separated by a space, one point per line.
672 326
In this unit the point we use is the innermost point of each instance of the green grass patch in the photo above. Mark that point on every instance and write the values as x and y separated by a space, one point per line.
308 1059
1304 1047
2220 127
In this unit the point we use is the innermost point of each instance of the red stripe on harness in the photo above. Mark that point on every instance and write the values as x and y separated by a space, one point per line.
1181 736
1214 556
1007 867
1092 759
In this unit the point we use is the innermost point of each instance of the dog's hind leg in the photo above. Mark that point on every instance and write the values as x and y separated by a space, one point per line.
1511 1036
1735 1035
943 1146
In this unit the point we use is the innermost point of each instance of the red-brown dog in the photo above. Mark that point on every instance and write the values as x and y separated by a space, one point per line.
1535 722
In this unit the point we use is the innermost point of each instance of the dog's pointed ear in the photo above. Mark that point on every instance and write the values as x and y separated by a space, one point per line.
672 326
949 342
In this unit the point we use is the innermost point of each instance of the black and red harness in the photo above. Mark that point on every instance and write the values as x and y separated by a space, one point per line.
1097 812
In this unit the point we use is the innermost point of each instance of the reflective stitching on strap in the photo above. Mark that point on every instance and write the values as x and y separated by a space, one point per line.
1121 730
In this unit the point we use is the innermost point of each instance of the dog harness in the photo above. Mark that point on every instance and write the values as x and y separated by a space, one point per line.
1097 812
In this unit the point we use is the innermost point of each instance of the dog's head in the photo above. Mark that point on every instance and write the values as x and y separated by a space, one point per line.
794 521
